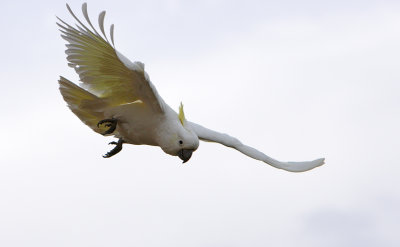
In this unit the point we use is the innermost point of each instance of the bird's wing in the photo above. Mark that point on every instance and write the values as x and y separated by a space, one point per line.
103 70
229 141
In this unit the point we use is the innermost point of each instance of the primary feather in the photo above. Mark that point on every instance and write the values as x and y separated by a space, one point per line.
102 69
229 141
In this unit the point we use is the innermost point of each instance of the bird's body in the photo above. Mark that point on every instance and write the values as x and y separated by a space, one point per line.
139 127
117 98
136 123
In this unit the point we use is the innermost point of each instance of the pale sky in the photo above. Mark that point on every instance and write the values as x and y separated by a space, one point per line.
298 80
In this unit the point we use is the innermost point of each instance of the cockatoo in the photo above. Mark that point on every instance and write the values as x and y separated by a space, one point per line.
116 97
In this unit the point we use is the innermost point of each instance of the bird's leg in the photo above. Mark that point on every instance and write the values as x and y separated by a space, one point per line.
111 123
115 150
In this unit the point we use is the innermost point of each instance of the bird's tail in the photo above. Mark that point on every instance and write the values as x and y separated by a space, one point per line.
85 105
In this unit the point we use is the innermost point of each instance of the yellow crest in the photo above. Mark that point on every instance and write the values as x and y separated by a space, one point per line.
181 114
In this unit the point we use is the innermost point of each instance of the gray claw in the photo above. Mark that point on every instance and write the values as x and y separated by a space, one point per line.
115 150
110 123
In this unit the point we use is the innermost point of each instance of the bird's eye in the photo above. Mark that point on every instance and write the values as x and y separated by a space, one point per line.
180 142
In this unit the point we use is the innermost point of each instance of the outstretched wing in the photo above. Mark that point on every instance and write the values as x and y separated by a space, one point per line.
103 70
229 141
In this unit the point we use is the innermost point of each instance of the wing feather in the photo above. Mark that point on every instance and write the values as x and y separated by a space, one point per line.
112 33
102 69
101 24
86 15
229 141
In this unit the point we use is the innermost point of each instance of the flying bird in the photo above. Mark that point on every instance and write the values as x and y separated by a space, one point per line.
116 97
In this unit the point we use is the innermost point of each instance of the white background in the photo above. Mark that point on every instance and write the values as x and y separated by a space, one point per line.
298 80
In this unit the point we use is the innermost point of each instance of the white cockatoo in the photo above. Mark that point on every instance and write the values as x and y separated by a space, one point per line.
117 98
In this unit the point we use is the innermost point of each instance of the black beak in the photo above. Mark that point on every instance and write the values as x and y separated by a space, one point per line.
185 154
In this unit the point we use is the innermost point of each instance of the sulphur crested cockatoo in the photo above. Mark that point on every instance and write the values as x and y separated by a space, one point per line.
117 98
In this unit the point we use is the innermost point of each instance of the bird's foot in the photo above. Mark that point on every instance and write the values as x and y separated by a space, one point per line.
115 150
110 123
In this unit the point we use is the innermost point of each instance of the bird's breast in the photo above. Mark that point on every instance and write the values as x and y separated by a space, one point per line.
136 125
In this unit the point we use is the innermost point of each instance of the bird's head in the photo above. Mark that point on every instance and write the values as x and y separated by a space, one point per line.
187 143
180 139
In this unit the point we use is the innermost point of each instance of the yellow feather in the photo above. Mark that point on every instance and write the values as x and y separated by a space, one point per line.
181 114
83 104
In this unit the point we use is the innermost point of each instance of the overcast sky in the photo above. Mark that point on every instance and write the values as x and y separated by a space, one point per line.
298 80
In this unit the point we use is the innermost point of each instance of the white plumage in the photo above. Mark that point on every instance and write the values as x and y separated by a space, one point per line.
117 98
